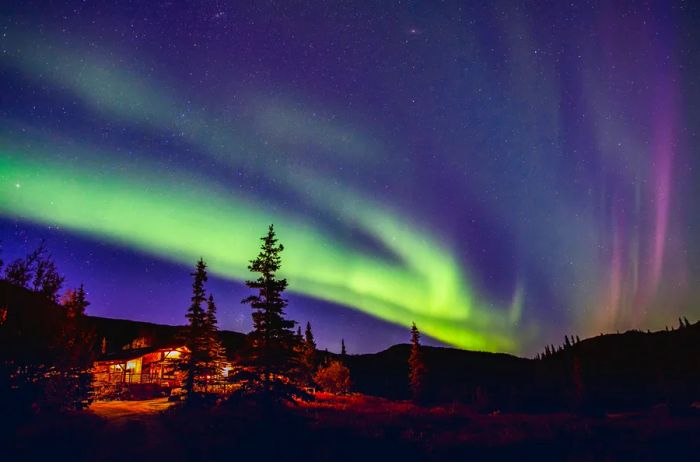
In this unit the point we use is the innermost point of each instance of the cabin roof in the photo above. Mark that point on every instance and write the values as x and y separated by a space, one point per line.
125 355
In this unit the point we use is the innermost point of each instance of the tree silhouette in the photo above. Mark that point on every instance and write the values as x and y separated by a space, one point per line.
18 273
272 339
343 351
46 281
309 341
68 381
308 354
196 333
416 365
214 351
75 301
37 271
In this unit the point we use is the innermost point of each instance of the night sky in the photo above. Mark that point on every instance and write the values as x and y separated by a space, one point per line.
501 173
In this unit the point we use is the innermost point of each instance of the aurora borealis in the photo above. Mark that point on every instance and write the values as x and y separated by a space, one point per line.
501 173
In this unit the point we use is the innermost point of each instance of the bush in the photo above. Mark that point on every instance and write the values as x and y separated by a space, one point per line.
334 377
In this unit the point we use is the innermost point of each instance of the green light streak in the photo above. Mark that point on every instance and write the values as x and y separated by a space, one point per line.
179 220
180 217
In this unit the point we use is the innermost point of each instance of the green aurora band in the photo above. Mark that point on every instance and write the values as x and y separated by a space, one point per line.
179 216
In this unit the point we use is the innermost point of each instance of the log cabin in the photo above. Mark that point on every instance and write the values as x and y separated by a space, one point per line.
150 365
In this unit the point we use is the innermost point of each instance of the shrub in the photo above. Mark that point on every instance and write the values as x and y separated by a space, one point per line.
334 377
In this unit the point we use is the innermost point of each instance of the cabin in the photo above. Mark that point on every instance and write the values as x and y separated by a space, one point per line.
146 372
153 368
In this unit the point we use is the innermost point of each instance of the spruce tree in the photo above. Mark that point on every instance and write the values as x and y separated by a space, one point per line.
69 385
273 340
343 351
215 352
196 338
309 341
308 354
417 370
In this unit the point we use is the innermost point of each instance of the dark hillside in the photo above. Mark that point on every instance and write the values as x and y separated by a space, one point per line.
608 372
453 374
32 320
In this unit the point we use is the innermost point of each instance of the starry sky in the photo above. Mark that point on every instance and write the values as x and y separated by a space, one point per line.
501 173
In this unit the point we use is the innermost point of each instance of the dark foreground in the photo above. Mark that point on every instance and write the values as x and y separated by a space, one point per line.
347 428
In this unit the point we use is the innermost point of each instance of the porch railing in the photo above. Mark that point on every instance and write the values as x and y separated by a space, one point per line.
130 378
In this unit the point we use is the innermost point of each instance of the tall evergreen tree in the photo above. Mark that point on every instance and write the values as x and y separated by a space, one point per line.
309 341
196 336
308 354
273 339
343 351
416 365
215 352
69 383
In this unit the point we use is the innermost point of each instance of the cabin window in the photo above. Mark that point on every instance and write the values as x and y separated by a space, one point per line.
172 354
168 372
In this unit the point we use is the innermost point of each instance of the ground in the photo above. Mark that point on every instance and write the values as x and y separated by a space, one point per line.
351 427
115 410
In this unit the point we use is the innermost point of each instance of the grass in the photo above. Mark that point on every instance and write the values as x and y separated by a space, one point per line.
348 427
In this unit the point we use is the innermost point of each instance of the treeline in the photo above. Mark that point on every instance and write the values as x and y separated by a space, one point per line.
45 367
